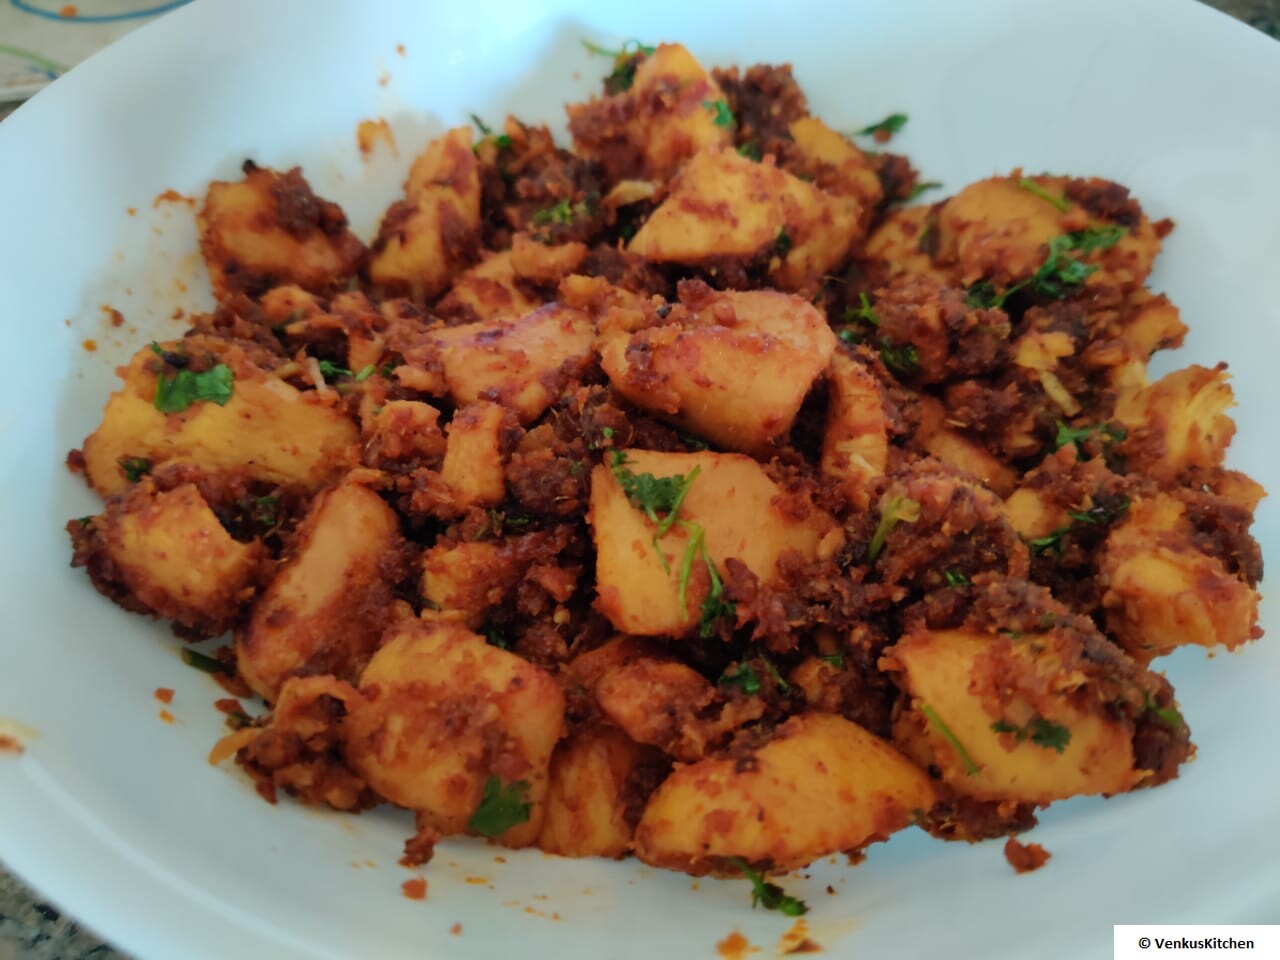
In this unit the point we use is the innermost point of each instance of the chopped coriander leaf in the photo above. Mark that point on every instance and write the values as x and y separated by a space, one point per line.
886 127
387 370
562 212
935 721
714 609
1049 543
769 895
502 806
638 47
1060 271
722 116
652 494
861 313
1076 435
983 295
135 468
901 359
744 677
1169 716
85 521
174 394
835 659
365 373
495 636
774 675
607 433
920 188
1029 185
331 371
481 125
956 579
1041 732
782 243
750 150
692 442
156 349
266 511
897 510
198 660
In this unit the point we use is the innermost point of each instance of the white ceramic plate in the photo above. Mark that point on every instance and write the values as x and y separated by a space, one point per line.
117 816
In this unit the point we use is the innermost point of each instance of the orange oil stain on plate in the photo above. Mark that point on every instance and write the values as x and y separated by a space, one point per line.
68 11
172 196
415 889
90 345
369 132
166 716
456 929
163 694
797 939
735 947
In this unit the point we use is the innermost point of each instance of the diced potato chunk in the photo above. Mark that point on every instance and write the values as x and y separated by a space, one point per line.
446 714
543 263
822 785
855 446
488 291
737 377
463 580
269 229
169 550
840 167
894 247
1000 230
589 797
405 430
1180 421
513 361
940 670
955 449
1163 592
326 609
666 116
473 461
1154 324
637 593
424 239
267 431
724 205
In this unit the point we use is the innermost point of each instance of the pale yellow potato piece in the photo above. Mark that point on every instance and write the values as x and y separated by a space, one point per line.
172 553
996 229
586 810
414 249
268 229
1162 592
1155 324
446 713
738 378
846 169
634 590
326 608
855 444
543 263
955 449
937 669
822 785
663 117
267 431
473 460
894 245
487 291
511 361
403 429
724 205
1032 515
1182 419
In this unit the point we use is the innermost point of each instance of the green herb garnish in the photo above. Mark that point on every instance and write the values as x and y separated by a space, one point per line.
266 511
935 721
495 636
835 659
1029 185
984 296
750 150
769 895
501 140
135 468
624 63
722 116
782 244
365 373
888 126
1060 271
1078 435
861 313
918 189
1041 732
502 806
1169 716
198 660
744 677
174 394
898 510
331 371
956 579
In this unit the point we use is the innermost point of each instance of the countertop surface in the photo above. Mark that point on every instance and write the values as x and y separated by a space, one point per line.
33 929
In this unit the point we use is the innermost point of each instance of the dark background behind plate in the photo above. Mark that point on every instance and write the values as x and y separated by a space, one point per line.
33 929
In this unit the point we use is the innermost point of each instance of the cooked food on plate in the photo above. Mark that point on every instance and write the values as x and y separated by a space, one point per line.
710 490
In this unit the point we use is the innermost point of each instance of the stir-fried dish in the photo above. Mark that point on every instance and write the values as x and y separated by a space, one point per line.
698 492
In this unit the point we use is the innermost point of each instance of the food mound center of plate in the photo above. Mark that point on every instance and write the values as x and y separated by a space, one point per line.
714 491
